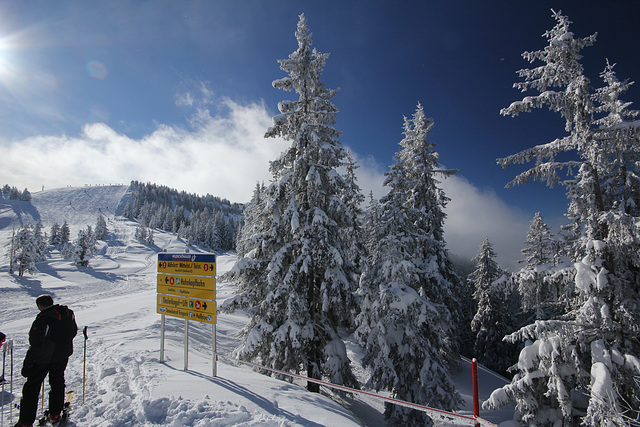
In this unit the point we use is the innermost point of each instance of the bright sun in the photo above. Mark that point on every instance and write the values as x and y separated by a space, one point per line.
5 49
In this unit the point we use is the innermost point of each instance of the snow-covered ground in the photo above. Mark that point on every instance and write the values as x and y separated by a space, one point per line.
115 297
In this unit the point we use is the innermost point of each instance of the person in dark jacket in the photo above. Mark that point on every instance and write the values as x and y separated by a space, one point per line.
50 345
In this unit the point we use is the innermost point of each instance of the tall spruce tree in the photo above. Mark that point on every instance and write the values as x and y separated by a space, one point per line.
303 290
54 235
535 284
406 323
493 320
65 233
594 348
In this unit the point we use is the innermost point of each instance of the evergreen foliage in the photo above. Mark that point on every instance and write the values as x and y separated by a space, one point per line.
200 220
494 319
12 193
55 237
101 228
84 247
592 349
542 292
24 251
407 291
65 233
296 276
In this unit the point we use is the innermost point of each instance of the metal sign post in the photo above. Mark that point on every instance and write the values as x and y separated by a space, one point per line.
186 344
162 338
187 289
215 351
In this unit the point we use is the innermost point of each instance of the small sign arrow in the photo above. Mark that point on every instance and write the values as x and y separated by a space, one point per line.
204 305
166 280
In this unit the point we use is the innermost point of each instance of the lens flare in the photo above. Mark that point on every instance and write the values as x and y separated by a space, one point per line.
97 69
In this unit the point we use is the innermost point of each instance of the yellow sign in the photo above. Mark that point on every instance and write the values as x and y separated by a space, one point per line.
187 308
187 286
189 282
187 267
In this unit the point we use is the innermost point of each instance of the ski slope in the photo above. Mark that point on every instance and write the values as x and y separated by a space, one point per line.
115 297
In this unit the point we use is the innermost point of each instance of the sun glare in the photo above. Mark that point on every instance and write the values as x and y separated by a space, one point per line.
5 61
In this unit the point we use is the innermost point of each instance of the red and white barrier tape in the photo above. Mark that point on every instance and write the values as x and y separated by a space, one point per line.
432 412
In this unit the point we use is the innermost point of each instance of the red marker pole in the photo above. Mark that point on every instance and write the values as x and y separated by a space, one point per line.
476 402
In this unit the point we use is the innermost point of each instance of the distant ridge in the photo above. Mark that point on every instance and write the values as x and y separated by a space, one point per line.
79 206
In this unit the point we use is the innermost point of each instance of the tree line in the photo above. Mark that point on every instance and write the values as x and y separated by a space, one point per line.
29 245
315 268
201 220
12 193
209 221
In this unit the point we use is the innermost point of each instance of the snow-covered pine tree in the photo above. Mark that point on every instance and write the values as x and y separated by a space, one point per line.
255 247
101 228
353 235
406 326
84 247
593 349
41 242
304 292
141 233
25 251
65 233
245 241
25 196
54 235
493 320
539 290
14 194
150 238
11 249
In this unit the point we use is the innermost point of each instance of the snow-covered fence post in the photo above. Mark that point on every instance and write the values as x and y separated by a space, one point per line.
474 379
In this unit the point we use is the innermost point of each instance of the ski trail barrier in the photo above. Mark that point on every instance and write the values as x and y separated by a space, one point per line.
435 414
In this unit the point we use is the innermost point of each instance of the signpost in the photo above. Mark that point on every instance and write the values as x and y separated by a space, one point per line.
187 286
187 308
187 289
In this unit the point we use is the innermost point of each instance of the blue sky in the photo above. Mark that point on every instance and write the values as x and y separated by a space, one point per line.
179 93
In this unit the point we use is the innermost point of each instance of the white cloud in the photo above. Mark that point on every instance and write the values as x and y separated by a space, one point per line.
472 214
225 154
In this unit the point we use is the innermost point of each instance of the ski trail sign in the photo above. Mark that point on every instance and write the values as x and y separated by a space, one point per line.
187 286
187 289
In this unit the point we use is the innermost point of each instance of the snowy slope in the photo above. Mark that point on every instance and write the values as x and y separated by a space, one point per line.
79 206
115 297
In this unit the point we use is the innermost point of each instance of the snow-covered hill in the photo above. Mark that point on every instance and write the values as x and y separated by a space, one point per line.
115 297
79 206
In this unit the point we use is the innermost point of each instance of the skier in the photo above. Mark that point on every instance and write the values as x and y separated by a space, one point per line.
50 345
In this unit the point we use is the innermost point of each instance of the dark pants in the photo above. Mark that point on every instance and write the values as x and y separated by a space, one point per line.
31 390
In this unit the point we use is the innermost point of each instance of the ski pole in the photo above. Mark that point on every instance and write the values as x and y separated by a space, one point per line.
11 385
84 362
4 356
